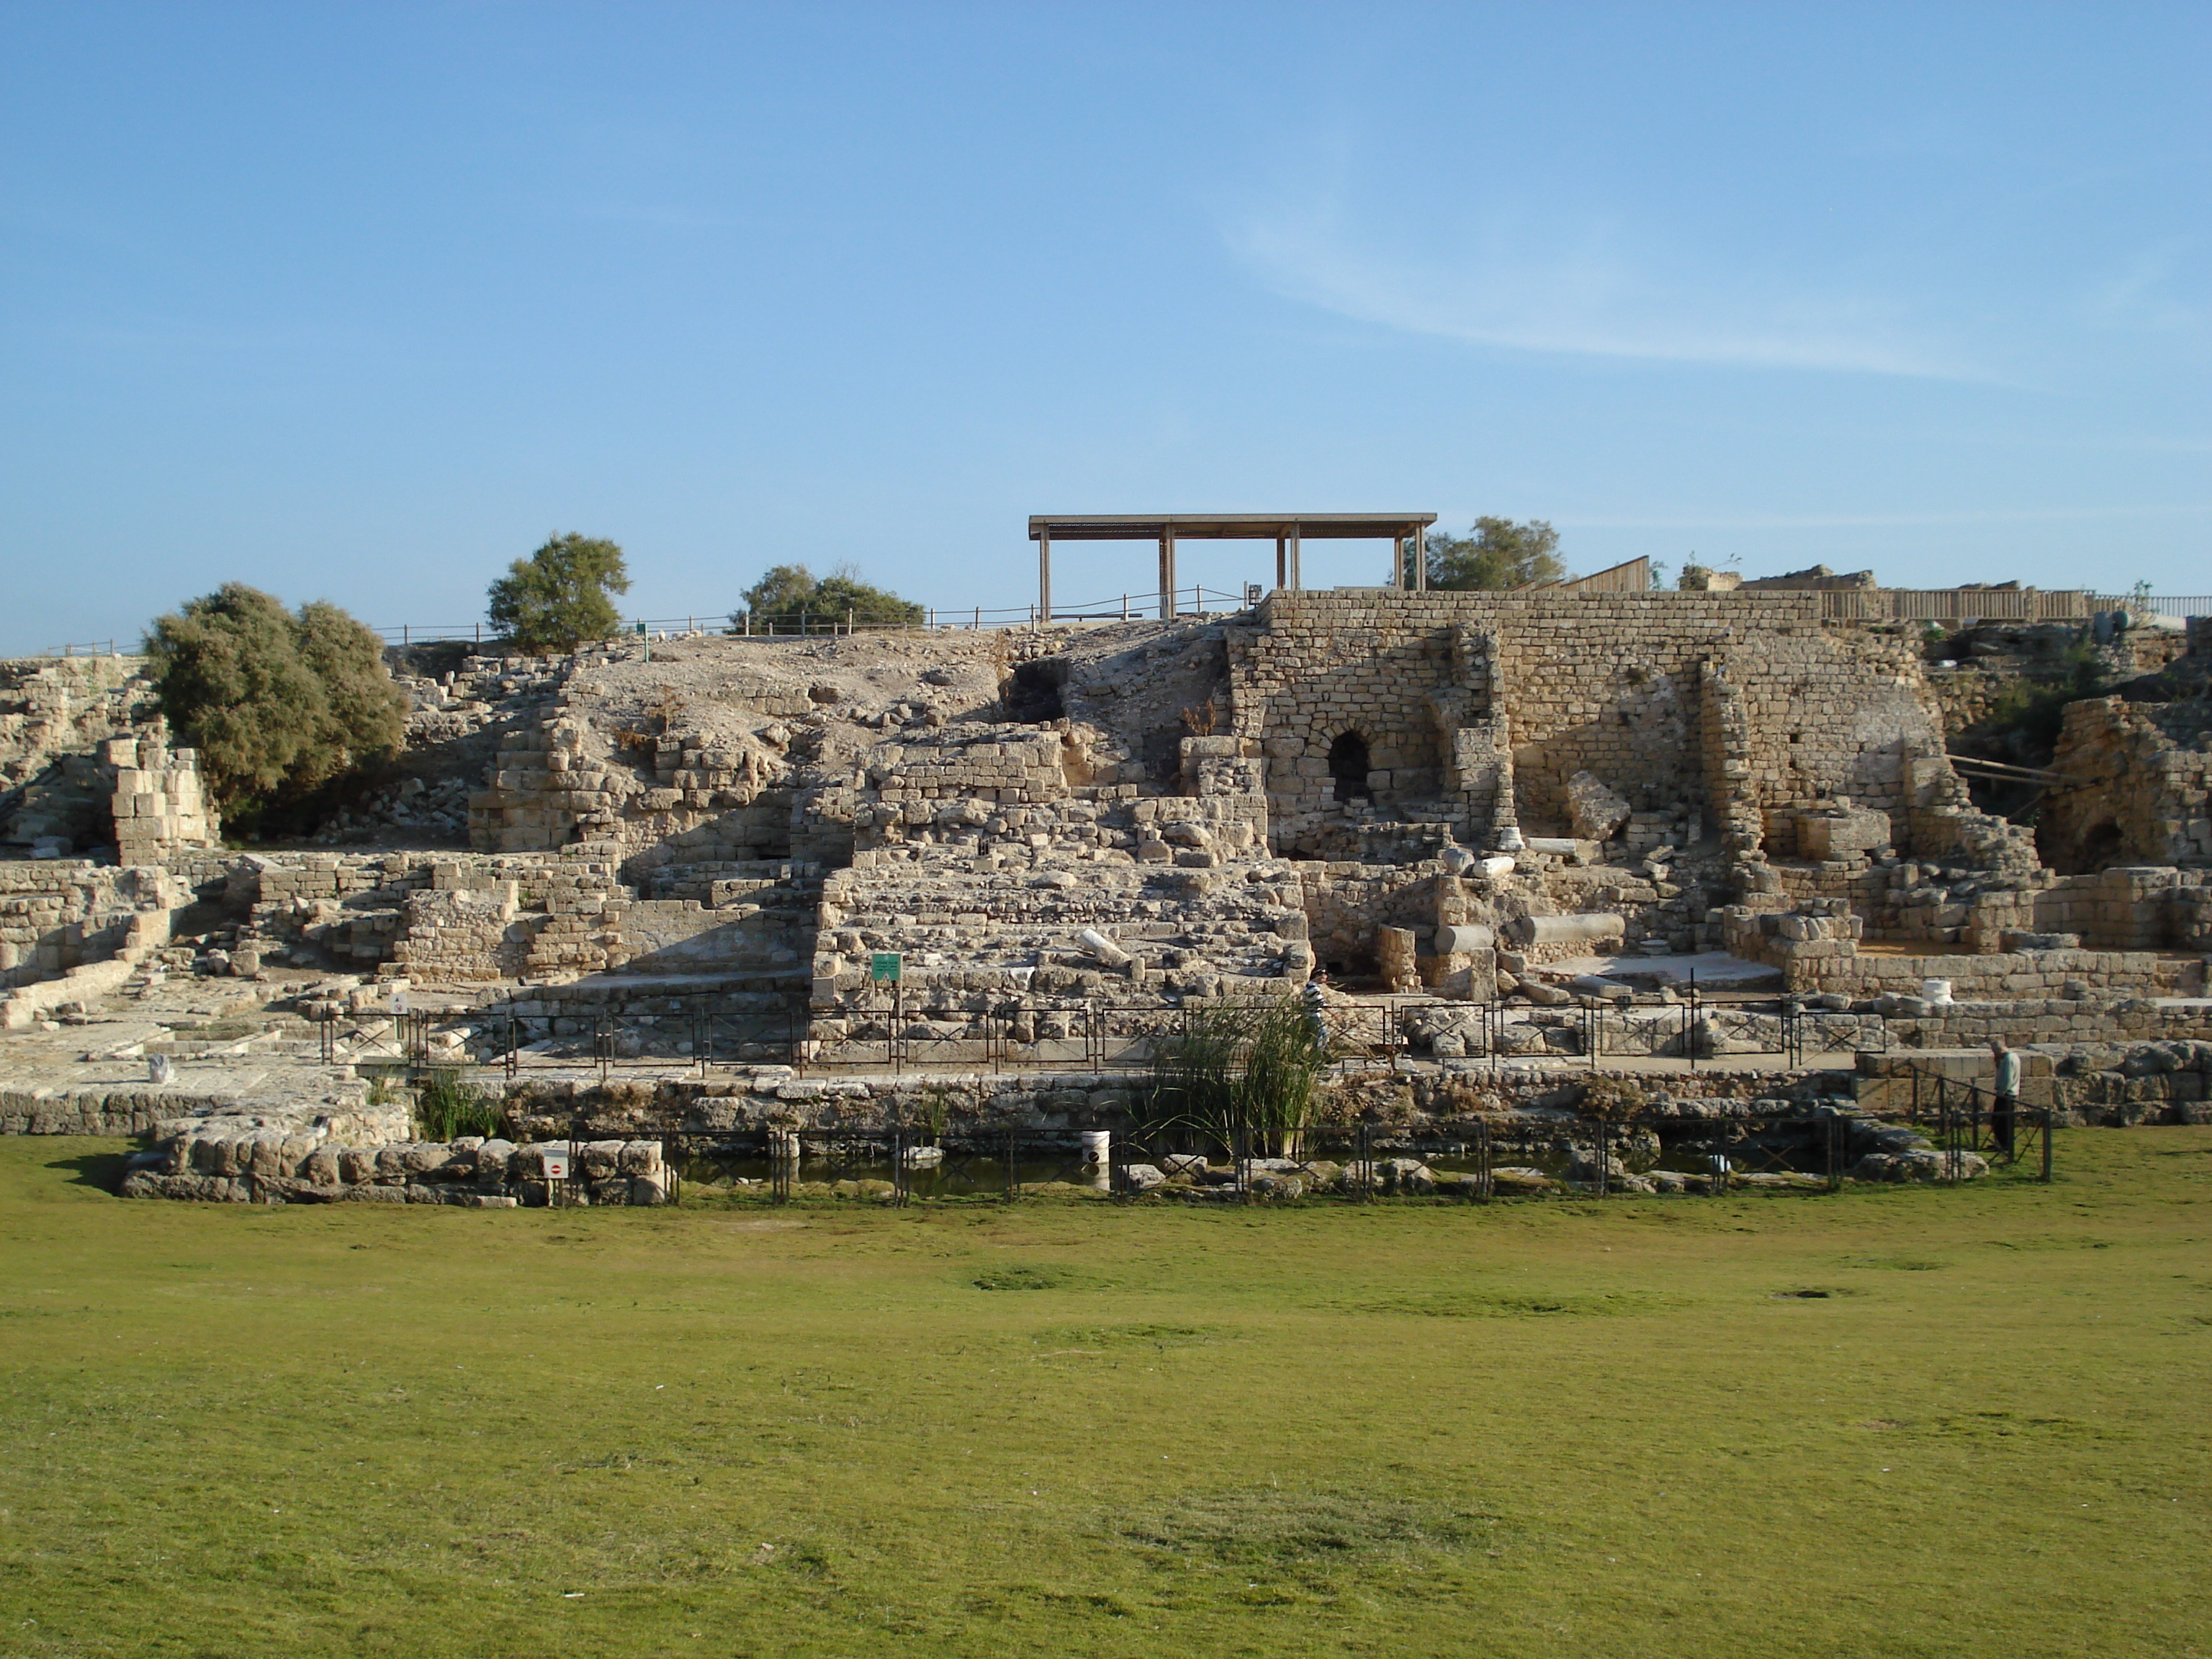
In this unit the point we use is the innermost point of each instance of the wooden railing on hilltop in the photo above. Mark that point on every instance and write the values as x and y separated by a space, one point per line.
1957 605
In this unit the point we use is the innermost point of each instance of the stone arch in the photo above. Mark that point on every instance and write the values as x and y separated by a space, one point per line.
1349 764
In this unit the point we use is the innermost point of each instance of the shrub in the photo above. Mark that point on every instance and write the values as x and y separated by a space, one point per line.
790 593
277 704
557 598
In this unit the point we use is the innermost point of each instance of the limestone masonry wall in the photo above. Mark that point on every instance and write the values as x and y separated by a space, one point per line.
55 714
66 913
1462 797
1613 685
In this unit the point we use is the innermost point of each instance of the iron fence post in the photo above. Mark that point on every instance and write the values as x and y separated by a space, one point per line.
1692 1033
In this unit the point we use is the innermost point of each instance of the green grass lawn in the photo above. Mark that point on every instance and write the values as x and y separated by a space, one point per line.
1073 1429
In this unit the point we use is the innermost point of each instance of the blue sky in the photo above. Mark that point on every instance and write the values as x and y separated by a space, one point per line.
359 302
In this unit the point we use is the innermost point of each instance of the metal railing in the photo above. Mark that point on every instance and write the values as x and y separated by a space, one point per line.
907 1160
401 1040
1969 1117
897 1163
1697 1029
701 1035
1962 604
1196 600
1046 1034
2196 604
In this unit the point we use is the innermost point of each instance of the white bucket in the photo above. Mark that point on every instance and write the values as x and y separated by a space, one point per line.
1936 992
1097 1149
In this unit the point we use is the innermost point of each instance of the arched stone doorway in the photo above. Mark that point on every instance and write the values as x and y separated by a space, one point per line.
1348 766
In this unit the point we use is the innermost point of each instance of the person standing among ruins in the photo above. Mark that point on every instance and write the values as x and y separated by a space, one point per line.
1316 1003
2005 1114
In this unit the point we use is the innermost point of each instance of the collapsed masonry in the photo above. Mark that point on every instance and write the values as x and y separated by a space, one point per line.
1537 799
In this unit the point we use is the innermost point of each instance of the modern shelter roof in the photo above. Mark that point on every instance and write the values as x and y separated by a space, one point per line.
1225 526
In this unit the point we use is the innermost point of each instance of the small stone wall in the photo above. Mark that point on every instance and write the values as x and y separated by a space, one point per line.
95 1111
60 915
2006 977
471 1172
2101 1018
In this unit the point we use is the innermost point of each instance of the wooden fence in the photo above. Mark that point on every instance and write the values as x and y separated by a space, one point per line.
1957 605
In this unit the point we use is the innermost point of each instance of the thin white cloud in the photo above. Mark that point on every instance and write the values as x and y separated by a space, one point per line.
2141 297
1523 288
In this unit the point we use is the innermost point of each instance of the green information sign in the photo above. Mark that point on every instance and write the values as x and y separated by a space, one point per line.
884 967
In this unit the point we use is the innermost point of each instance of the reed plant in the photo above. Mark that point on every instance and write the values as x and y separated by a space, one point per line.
447 1107
1251 1065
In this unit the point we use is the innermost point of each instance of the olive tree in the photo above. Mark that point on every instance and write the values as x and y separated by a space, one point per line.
787 592
278 703
559 597
1496 553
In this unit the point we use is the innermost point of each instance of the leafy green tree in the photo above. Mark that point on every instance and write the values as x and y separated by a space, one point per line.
1497 553
785 589
789 591
558 597
277 704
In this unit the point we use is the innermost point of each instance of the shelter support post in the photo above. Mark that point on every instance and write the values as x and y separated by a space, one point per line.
1282 561
1167 575
1044 576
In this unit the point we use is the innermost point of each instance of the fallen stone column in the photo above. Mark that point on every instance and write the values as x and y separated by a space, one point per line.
1588 928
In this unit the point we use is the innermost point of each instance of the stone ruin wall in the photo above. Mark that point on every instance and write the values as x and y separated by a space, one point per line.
1614 685
630 838
55 714
72 928
1040 837
679 827
67 914
2138 786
